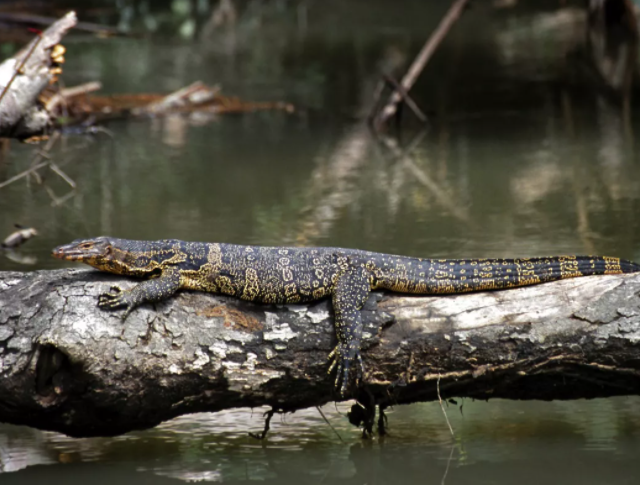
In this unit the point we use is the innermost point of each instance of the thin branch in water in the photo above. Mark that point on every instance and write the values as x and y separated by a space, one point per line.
330 425
62 175
40 154
36 176
54 198
383 422
61 200
442 406
267 422
377 96
43 154
446 470
406 97
23 174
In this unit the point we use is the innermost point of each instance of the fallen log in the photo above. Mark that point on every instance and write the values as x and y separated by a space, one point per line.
66 365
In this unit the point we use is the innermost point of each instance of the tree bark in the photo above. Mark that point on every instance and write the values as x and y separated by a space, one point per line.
23 77
66 365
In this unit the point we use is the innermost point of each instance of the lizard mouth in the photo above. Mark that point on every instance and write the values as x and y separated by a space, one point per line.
71 252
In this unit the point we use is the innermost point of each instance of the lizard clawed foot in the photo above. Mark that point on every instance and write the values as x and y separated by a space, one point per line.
112 299
341 358
116 297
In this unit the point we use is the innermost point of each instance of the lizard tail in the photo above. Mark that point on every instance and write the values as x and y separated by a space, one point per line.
428 277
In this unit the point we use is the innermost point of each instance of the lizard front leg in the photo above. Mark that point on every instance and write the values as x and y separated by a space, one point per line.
153 290
349 296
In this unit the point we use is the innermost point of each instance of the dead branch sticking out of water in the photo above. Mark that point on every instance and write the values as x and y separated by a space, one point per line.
418 65
23 78
28 109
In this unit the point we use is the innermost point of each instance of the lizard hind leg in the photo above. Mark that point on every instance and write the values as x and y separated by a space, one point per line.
349 296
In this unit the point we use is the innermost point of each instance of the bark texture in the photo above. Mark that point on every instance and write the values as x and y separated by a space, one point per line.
23 77
68 366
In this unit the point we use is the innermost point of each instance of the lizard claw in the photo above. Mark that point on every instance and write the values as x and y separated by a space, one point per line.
341 361
115 298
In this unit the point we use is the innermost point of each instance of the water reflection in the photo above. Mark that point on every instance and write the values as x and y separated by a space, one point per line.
492 440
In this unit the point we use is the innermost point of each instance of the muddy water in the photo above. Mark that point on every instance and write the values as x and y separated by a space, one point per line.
524 155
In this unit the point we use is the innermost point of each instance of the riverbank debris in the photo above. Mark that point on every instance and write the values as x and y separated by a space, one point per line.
19 237
33 104
25 76
197 97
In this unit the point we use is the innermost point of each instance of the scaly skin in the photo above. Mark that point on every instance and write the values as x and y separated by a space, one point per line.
296 275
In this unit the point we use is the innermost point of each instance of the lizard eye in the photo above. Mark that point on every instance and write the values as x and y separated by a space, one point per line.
86 245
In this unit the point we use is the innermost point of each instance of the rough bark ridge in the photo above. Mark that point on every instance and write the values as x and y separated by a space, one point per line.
66 365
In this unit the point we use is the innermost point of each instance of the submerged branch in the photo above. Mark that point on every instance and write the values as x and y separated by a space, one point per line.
66 365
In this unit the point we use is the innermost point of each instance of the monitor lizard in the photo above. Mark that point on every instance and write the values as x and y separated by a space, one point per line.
303 274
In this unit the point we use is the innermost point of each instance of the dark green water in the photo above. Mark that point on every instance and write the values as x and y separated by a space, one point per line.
524 156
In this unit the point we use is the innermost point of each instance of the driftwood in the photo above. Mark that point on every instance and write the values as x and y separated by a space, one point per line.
23 78
66 365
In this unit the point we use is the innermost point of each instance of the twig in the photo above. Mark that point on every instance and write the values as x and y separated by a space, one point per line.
39 154
66 93
63 175
377 95
330 425
265 430
446 471
383 422
44 153
420 61
61 200
54 198
23 174
21 18
406 98
19 69
442 406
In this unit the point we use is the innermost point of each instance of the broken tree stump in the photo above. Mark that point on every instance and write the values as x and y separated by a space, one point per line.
66 365
24 76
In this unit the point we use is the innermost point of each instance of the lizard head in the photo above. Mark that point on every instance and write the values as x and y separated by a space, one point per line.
85 250
107 254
